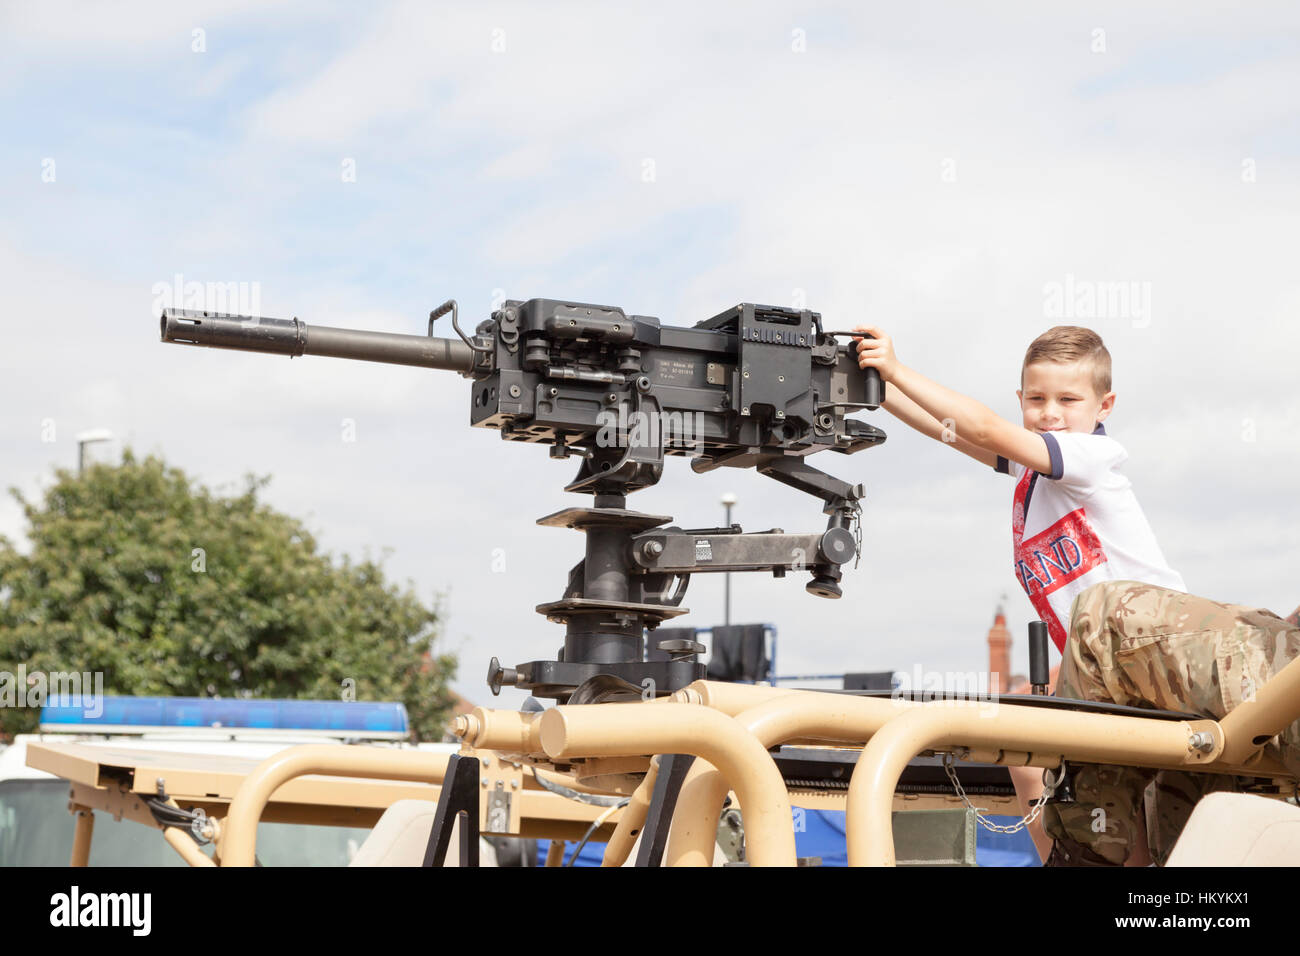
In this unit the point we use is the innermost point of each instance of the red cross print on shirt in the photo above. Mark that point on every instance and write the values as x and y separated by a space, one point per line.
1052 558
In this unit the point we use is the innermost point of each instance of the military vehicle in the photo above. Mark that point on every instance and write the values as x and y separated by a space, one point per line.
671 768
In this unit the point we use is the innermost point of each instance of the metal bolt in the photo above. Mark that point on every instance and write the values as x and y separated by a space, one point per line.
514 784
612 397
1202 741
653 548
616 328
780 378
484 783
745 410
514 391
780 414
554 391
487 762
573 321
746 374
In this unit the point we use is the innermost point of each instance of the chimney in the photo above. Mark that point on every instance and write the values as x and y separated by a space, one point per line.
999 653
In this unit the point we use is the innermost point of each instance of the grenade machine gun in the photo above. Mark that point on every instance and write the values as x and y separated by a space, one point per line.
756 386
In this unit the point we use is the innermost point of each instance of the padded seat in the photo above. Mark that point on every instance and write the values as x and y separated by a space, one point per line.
401 837
1239 829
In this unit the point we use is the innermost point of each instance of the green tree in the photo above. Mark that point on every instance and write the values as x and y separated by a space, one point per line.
140 573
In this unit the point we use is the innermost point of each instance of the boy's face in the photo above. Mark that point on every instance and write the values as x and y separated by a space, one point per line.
1059 396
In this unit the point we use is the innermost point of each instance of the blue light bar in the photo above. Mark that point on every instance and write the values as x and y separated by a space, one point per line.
135 714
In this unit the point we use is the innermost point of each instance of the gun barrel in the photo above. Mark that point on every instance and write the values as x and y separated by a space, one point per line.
294 337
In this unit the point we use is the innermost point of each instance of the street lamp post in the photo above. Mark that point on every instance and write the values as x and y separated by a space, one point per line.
88 438
728 500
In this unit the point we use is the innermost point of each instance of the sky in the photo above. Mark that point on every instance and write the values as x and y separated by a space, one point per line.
963 175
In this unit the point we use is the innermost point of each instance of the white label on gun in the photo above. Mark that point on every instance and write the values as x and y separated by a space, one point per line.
678 371
703 550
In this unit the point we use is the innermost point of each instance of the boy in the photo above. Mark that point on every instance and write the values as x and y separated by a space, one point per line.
1081 526
1092 569
1075 519
1086 557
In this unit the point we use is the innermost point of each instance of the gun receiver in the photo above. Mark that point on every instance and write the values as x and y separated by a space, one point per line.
755 386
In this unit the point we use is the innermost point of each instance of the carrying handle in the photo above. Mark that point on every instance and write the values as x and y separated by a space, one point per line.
450 306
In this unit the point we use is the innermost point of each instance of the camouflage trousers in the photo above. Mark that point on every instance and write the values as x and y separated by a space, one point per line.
1148 646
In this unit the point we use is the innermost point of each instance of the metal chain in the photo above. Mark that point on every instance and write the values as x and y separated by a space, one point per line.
1049 788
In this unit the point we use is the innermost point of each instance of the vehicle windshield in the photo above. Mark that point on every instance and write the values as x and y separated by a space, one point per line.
36 830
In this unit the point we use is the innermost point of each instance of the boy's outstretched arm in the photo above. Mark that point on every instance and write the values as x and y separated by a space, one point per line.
972 421
907 411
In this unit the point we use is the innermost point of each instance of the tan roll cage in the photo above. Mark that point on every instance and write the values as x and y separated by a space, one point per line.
729 728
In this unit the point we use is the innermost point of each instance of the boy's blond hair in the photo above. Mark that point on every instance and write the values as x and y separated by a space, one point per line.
1067 344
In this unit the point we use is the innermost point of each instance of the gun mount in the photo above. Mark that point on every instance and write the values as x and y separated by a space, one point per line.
755 386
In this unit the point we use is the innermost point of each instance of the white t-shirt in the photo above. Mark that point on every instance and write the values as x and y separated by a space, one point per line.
1078 526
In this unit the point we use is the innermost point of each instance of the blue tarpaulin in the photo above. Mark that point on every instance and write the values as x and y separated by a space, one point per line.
821 833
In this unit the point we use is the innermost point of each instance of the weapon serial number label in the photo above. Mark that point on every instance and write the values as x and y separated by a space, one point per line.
703 550
675 370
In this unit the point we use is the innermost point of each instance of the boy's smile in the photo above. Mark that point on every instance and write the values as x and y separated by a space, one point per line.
1059 397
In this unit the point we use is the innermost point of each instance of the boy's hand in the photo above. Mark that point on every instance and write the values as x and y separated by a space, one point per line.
877 352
